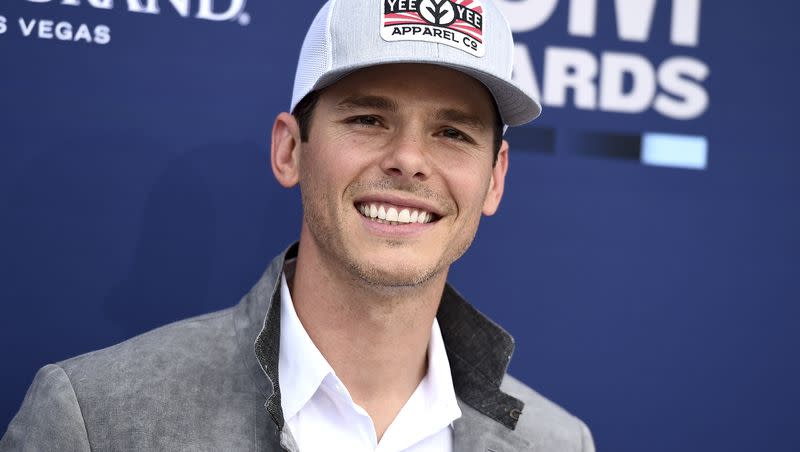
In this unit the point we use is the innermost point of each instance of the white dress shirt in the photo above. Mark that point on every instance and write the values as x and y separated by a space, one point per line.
324 418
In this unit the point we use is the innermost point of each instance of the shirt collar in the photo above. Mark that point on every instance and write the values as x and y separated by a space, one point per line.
478 349
301 366
432 407
302 369
438 381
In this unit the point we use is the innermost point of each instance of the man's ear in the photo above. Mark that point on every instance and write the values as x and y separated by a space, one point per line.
285 150
497 182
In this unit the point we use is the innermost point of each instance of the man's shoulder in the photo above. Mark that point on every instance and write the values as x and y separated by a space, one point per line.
545 423
180 363
181 386
162 350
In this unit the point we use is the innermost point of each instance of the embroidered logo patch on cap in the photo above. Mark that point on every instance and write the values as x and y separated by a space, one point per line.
457 23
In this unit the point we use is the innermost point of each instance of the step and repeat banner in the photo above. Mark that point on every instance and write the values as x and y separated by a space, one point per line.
645 256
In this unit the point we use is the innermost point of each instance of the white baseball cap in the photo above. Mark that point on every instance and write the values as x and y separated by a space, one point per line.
470 36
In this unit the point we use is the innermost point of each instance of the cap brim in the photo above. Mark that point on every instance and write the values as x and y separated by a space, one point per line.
515 105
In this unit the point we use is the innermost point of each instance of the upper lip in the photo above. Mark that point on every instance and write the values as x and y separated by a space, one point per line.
400 201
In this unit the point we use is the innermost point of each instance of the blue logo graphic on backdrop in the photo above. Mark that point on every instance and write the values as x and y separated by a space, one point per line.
68 31
611 81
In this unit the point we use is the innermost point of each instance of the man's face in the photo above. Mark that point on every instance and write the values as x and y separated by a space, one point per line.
397 169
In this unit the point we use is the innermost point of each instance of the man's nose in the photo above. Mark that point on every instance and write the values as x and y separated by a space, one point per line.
407 157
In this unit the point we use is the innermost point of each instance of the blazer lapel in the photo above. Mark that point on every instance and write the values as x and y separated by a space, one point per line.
474 432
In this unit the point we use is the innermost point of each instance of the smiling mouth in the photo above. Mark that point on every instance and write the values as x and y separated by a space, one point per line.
394 215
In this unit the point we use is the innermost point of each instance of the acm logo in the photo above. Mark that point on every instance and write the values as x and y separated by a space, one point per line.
673 87
636 81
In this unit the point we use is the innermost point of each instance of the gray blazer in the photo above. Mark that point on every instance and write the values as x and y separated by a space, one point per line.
210 383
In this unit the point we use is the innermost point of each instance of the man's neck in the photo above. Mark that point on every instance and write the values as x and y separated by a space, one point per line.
375 338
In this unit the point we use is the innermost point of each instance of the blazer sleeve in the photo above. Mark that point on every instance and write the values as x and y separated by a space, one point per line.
50 417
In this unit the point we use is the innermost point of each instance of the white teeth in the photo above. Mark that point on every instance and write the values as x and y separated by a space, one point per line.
390 215
404 216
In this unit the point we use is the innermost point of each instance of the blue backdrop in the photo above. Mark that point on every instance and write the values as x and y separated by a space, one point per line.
655 297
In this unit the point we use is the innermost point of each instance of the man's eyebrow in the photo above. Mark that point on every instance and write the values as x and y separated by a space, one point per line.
459 117
374 102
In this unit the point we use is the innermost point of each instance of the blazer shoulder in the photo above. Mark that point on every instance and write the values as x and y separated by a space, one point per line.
183 386
196 357
174 342
50 417
545 423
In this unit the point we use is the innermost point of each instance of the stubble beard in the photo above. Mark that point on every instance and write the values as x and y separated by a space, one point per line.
329 240
360 272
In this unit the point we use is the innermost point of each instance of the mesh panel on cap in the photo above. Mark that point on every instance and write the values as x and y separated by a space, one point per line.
315 57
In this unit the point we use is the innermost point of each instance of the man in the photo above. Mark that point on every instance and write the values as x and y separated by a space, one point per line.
352 340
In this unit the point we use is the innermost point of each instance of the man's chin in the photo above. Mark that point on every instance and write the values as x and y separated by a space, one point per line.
398 276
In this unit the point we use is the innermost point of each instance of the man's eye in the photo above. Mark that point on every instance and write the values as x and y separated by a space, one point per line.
454 134
366 120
